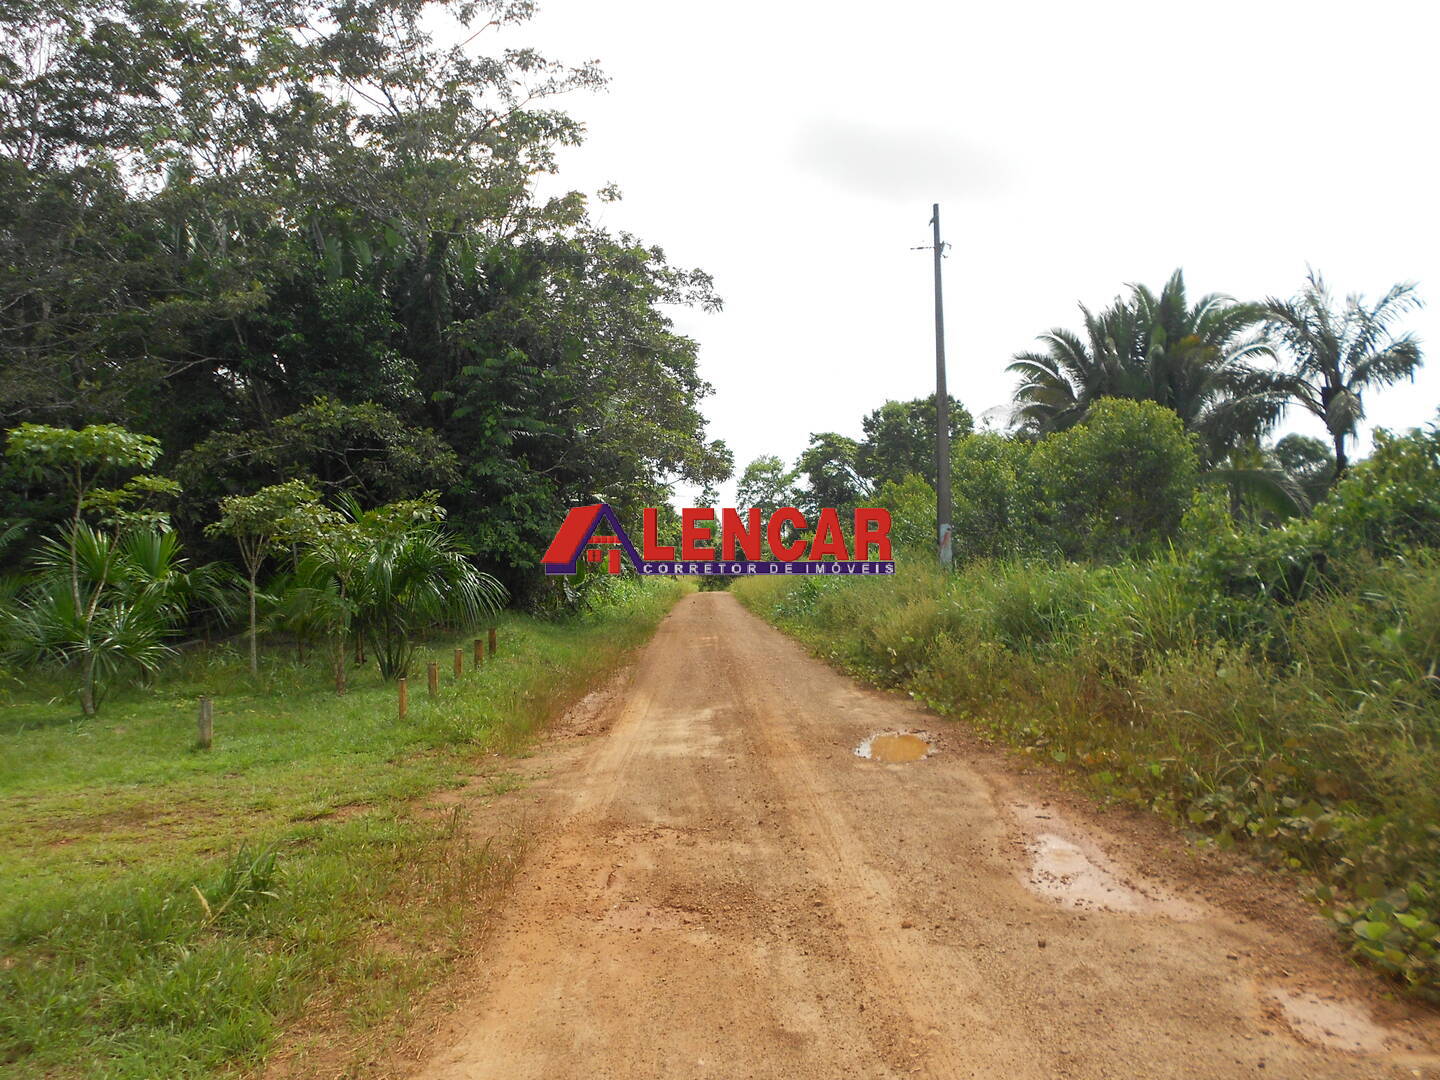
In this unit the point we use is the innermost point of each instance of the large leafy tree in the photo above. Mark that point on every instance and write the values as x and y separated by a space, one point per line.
995 497
1116 484
362 450
767 484
305 237
899 439
571 385
1201 359
1337 352
830 466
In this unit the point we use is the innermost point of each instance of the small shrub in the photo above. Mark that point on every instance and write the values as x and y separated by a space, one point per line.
1117 484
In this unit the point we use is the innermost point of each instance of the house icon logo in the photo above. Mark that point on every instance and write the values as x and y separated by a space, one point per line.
581 536
593 534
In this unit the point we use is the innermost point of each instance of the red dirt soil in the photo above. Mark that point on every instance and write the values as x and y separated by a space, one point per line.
718 886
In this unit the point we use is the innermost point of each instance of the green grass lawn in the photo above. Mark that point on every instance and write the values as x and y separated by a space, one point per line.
165 911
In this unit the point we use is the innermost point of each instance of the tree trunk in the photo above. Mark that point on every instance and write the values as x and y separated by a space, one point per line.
87 685
1341 461
254 651
340 664
75 553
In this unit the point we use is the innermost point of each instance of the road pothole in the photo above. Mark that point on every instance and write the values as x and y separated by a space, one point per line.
1075 873
1063 872
896 747
1339 1025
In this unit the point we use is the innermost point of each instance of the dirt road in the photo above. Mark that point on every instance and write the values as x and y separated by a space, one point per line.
724 889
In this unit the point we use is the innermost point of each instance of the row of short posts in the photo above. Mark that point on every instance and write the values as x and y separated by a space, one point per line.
432 672
205 735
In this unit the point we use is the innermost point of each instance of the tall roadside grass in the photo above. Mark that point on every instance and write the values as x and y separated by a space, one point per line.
1308 729
169 912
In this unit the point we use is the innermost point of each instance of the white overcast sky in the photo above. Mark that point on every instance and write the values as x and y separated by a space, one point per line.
793 150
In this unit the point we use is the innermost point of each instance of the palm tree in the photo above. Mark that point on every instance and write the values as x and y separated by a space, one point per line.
388 572
1058 386
1335 355
413 580
100 605
1196 359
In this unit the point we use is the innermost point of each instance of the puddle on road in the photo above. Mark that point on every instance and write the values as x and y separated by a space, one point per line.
895 747
1061 871
1339 1025
1077 874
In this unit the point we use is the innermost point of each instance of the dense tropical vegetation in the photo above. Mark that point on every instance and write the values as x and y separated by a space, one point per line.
279 298
1198 359
302 241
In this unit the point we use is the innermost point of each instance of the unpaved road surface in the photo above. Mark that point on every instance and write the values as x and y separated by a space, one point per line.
720 887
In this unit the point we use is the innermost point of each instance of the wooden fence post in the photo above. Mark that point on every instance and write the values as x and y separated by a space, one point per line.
432 677
404 696
479 652
492 641
459 662
206 724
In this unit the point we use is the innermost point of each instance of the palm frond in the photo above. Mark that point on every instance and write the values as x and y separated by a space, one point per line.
1274 489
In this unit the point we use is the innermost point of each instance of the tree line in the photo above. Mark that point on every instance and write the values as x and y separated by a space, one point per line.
1085 469
288 337
302 241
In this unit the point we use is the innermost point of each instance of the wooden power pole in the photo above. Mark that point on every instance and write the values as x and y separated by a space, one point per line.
942 409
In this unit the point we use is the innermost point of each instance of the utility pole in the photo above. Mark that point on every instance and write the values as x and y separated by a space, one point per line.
942 410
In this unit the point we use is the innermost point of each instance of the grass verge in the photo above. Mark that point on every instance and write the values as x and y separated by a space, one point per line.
168 911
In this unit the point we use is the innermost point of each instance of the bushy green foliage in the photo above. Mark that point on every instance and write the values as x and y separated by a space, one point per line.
79 456
101 606
993 490
766 483
101 603
911 503
1390 501
1308 462
1117 483
366 451
830 465
900 439
1385 506
378 302
388 573
1195 359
